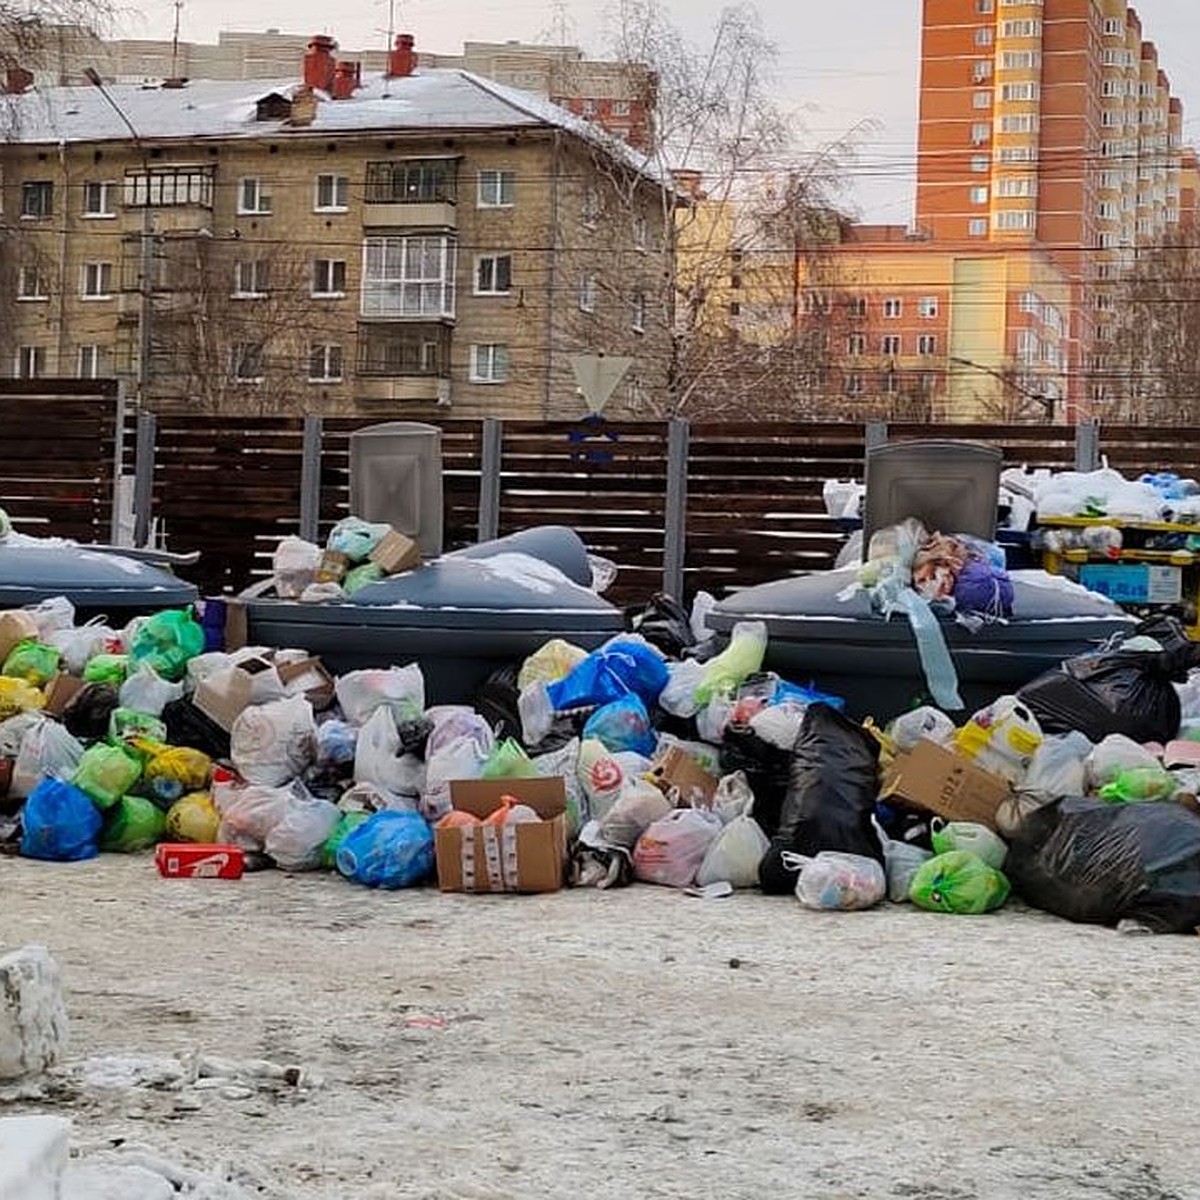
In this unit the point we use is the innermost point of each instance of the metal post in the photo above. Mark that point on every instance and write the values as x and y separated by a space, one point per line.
143 479
310 479
489 479
675 515
1087 445
146 300
114 529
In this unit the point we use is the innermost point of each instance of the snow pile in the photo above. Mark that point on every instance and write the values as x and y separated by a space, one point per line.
33 1015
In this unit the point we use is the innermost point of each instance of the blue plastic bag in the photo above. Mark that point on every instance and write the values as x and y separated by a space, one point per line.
607 674
623 725
800 694
60 823
390 849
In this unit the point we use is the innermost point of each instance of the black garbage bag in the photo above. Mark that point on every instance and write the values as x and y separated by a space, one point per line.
664 623
1117 691
829 804
188 726
1102 863
767 768
86 716
496 703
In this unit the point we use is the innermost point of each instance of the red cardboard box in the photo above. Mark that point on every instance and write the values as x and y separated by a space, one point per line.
187 860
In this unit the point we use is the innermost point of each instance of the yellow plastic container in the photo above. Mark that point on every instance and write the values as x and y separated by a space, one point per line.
1001 738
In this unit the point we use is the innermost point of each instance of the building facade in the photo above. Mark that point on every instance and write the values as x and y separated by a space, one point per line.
350 243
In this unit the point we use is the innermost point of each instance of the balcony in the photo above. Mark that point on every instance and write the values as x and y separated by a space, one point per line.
433 214
403 362
411 193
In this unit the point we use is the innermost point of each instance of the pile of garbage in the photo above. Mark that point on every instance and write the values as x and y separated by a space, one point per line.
665 756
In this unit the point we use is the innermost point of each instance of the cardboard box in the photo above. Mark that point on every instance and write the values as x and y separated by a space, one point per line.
60 691
224 694
683 780
332 568
528 857
310 676
237 625
936 780
15 626
188 860
395 553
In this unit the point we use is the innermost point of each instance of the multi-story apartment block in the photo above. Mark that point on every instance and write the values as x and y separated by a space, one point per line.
420 237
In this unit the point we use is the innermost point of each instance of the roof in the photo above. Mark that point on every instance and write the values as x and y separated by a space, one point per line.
426 101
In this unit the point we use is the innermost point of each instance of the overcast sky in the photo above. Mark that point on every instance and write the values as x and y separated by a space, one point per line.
839 63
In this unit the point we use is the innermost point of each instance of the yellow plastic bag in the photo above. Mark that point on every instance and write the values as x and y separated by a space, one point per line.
18 696
193 818
177 770
550 663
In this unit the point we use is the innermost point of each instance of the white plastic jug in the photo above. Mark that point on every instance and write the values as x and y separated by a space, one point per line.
1001 738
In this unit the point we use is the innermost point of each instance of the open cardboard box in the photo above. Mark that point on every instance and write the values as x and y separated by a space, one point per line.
932 779
60 691
683 780
395 553
224 695
310 677
527 857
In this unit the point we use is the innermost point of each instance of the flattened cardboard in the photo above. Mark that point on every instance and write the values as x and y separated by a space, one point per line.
936 780
395 553
683 780
60 691
319 684
541 848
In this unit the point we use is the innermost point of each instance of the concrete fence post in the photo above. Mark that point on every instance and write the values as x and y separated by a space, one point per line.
675 513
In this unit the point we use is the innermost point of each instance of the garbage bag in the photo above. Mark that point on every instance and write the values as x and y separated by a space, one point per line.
623 725
837 882
901 861
727 671
356 538
128 726
175 771
336 743
89 711
347 823
508 760
275 742
551 662
959 882
106 668
926 723
678 696
461 759
296 842
77 646
377 757
831 797
498 703
665 624
166 642
34 662
635 809
59 823
249 814
193 818
388 850
1102 864
671 850
16 626
47 751
132 824
1115 754
106 773
735 853
1058 768
294 566
967 835
767 769
18 696
1138 785
401 689
188 726
52 615
733 798
359 577
600 775
146 691
625 664
13 730
564 763
371 798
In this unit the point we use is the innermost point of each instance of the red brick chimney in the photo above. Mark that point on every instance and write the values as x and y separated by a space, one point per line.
347 76
318 62
402 58
17 80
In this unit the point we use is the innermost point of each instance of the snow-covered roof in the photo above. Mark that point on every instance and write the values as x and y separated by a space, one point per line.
426 101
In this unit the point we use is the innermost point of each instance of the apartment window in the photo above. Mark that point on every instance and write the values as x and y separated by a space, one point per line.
489 363
98 199
927 307
858 306
1112 87
589 107
1021 29
1113 58
408 276
979 195
856 344
37 199
1012 154
927 344
977 227
169 186
252 199
97 281
1019 123
493 275
1018 3
332 193
329 277
981 70
587 294
1010 186
31 285
1106 210
985 6
855 384
1111 117
1114 27
892 307
620 108
404 349
1019 91
641 232
1020 60
1028 346
324 363
421 181
250 278
890 346
735 309
1014 218
980 132
638 316
980 163
590 207
497 189
889 383
90 362
246 362
983 37
1031 303
30 362
981 99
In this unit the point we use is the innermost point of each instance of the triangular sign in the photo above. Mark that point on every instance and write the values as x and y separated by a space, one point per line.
597 376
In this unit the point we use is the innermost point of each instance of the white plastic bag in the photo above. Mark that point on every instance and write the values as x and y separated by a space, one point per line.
779 724
205 666
294 566
79 645
713 719
14 729
563 763
600 775
460 759
735 854
371 798
929 723
1189 698
297 840
833 881
1059 768
671 850
901 862
377 757
401 689
1115 754
52 615
679 696
145 691
949 836
733 798
47 751
274 743
638 806
249 814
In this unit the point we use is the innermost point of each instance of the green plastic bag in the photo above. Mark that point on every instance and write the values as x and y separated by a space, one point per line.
133 823
106 773
508 761
727 671
358 579
167 642
127 726
106 668
33 662
341 831
959 882
1138 784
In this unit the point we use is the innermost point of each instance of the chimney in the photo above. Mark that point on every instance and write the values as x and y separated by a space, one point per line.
17 80
318 62
402 58
346 77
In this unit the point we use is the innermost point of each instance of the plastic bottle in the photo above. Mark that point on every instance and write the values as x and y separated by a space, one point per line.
1001 738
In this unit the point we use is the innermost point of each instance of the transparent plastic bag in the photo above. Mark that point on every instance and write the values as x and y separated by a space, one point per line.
249 814
713 719
1058 768
734 797
296 842
671 850
336 743
623 725
13 730
79 645
901 862
947 836
678 697
837 882
1139 785
177 770
637 807
959 882
106 668
356 538
275 742
508 760
600 775
460 759
1116 753
166 642
401 689
735 853
145 691
34 662
52 615
928 723
17 696
564 763
550 663
294 566
377 757
47 751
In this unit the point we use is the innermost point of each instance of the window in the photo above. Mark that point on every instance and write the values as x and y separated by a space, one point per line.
408 276
855 384
889 383
97 281
1019 123
980 163
1011 154
37 200
983 37
329 277
1014 218
246 362
590 207
587 294
1111 117
620 108
985 6
890 346
977 227
1029 348
417 181
324 363
250 278
981 99
927 344
979 195
856 345
1106 210
493 275
90 362
1020 60
858 306
1114 27
589 107
981 70
165 186
31 285
892 308
30 362
735 308
1031 303
98 200
928 383
638 318
1011 185
1021 29
1112 87
641 232
404 349
497 189
1019 91
980 132
927 307
252 200
332 193
489 363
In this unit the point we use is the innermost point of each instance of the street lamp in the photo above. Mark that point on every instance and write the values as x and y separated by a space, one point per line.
146 256
1047 402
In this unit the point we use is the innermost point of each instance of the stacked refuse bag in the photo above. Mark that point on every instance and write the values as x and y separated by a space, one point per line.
682 763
